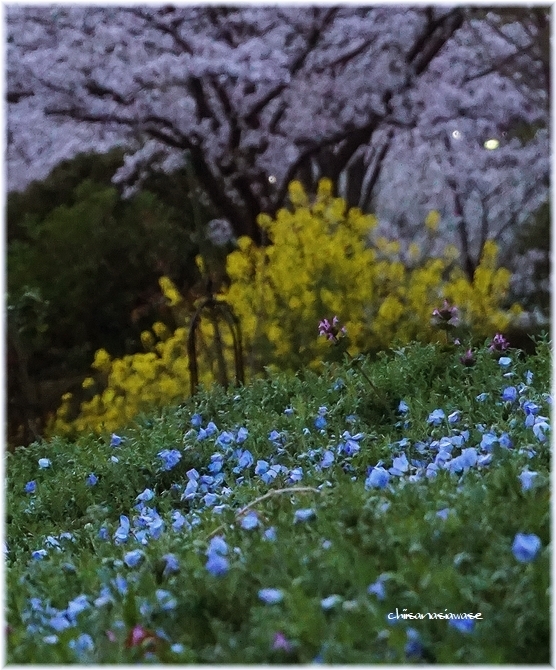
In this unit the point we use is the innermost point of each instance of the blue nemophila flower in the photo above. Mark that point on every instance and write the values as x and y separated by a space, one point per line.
82 644
133 558
39 554
105 597
454 417
431 471
509 394
403 407
246 459
504 361
44 463
217 565
301 515
178 520
31 487
269 474
206 481
170 458
271 596
156 527
482 397
540 427
436 417
166 600
329 602
274 436
217 546
52 542
50 639
193 474
377 588
443 513
288 411
320 422
326 544
91 480
261 467
400 465
487 441
462 625
413 646
527 478
242 435
120 584
172 564
122 532
442 457
528 377
216 463
250 521
103 533
296 475
327 459
196 420
114 459
377 477
211 428
115 440
525 547
467 459
59 623
530 407
210 499
484 460
76 606
225 439
147 495
270 534
351 446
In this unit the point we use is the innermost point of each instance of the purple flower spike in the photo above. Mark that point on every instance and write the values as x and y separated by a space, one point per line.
332 330
499 343
446 316
468 359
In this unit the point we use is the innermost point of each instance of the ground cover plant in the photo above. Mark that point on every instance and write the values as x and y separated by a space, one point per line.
300 518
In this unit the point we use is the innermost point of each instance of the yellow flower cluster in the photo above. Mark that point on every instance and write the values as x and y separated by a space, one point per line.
321 262
141 381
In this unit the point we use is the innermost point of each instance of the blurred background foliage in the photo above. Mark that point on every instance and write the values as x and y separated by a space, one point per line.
83 271
94 259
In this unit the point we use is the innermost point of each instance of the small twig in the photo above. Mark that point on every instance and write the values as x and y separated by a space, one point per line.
270 494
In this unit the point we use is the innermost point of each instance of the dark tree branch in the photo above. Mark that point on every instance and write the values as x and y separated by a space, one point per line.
295 66
434 37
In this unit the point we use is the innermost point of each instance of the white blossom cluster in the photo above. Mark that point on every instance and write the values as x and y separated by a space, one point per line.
397 104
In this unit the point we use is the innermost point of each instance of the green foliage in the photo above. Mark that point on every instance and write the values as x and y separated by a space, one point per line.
96 260
460 563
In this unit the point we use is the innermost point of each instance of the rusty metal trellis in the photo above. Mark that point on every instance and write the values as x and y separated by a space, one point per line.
216 308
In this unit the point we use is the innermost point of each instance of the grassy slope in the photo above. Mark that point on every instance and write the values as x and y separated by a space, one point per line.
460 563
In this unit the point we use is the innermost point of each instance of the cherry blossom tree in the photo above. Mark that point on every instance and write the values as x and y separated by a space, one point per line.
394 104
